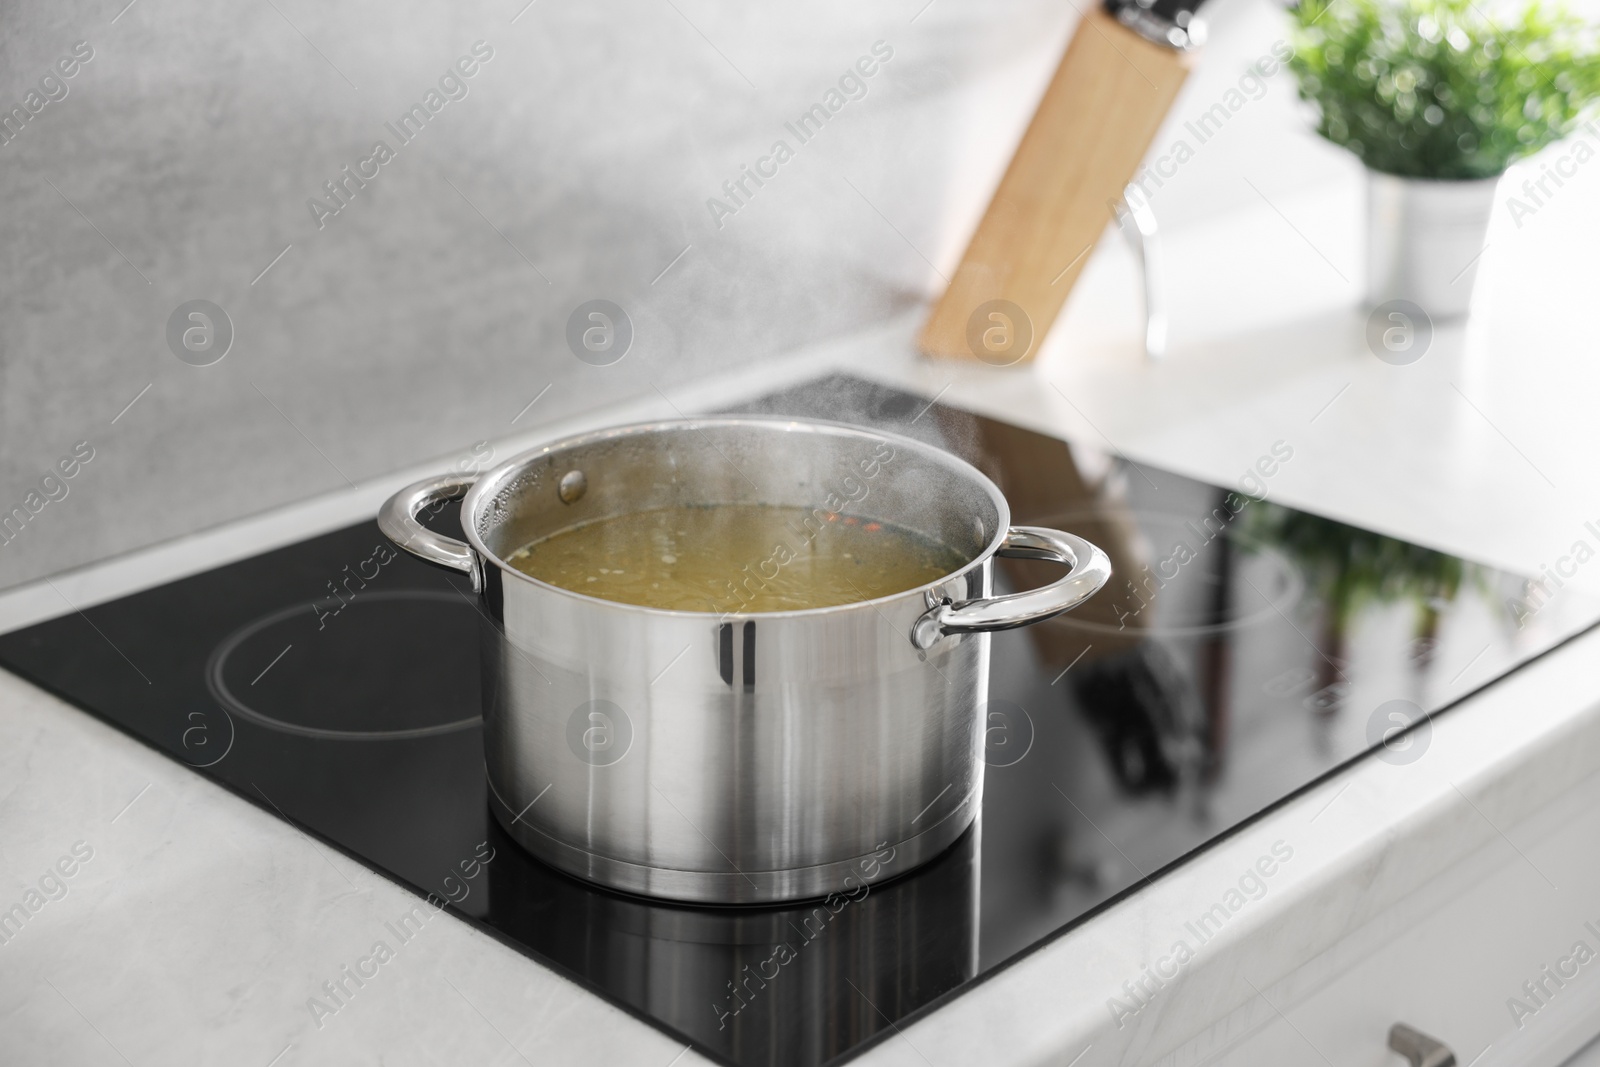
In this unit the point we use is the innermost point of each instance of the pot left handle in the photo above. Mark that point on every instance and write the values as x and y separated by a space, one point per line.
398 521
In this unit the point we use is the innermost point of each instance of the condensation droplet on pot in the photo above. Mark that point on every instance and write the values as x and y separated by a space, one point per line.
572 486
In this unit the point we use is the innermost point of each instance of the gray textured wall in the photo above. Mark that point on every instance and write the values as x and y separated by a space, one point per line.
181 159
407 326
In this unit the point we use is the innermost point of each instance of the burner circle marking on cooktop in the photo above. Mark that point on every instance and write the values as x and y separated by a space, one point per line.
378 644
1278 591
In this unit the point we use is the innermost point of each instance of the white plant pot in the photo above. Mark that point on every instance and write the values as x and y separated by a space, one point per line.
1424 241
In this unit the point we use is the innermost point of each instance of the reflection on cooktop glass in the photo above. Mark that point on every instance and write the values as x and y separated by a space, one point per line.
1242 651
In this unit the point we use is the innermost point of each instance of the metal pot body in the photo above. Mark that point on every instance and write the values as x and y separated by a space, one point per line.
724 757
1424 241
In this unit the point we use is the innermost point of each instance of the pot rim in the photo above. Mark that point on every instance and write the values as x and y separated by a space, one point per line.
489 482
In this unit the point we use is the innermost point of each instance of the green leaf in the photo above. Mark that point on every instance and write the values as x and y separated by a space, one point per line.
1501 90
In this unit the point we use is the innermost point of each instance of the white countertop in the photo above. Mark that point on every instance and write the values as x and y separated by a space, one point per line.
201 925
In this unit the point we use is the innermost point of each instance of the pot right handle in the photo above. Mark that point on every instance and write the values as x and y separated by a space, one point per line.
1090 570
398 521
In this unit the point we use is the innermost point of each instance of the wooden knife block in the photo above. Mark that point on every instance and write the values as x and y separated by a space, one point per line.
1096 121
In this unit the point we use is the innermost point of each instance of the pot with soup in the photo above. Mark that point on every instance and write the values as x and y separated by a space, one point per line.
733 660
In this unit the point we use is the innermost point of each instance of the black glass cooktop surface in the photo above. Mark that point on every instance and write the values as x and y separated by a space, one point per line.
1242 651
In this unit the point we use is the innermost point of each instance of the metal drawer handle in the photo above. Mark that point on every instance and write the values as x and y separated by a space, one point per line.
1418 1048
1090 570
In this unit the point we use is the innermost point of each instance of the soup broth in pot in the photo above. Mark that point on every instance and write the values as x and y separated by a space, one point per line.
744 558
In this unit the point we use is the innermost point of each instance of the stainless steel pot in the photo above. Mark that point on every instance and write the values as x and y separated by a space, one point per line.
733 758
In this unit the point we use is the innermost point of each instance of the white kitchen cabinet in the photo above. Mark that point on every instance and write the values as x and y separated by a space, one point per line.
1450 959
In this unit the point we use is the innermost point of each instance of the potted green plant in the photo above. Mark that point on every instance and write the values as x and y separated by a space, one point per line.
1438 98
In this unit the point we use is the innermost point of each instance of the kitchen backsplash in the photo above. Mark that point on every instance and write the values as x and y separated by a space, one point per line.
254 253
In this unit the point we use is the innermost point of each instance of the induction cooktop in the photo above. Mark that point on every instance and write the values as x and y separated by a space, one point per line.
1243 651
